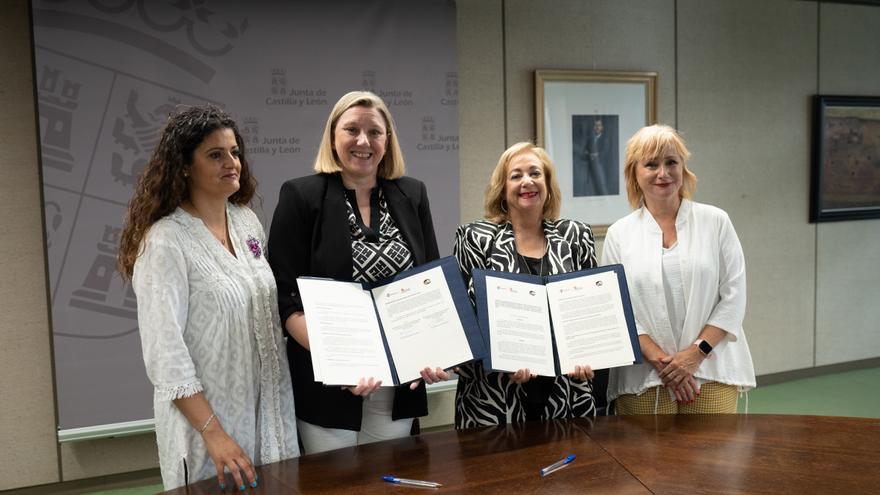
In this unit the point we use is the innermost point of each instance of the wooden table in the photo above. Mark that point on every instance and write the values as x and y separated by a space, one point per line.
749 454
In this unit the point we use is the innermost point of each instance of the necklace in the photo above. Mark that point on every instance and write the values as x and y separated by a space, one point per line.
529 268
526 262
222 237
522 258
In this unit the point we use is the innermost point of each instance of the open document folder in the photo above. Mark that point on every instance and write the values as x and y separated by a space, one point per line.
392 329
550 324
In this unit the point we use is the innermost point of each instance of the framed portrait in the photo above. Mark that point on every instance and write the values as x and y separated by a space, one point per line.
584 119
845 178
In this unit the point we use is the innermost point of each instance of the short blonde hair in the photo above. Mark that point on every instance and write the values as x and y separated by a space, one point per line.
392 165
647 144
495 210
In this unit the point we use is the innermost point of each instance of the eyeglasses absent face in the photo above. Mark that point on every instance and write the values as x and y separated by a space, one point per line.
216 167
359 141
526 186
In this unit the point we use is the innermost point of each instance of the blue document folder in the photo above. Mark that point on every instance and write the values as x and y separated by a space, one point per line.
480 290
460 299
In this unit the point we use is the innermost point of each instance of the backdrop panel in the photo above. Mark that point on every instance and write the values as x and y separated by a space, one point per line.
110 71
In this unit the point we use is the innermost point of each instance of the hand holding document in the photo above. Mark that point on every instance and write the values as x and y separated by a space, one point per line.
393 330
552 324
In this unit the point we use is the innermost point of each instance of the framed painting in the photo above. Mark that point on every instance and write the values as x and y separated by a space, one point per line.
845 178
584 119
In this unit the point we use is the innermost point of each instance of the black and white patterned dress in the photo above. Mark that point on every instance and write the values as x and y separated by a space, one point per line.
484 397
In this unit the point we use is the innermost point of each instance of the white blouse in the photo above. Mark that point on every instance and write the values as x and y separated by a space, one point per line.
209 323
714 281
673 288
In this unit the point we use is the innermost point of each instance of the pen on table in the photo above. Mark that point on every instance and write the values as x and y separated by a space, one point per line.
557 465
404 481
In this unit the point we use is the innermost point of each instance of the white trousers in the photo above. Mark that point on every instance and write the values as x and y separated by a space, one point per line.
376 425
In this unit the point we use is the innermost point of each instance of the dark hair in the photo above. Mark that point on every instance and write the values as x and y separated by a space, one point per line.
163 185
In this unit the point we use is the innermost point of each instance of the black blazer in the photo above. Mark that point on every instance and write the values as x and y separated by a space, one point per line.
310 237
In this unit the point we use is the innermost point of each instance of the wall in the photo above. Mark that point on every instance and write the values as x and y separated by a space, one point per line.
848 259
736 76
29 452
745 74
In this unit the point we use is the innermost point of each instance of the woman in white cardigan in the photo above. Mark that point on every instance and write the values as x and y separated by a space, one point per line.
686 275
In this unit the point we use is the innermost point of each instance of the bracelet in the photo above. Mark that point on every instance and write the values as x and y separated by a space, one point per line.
207 423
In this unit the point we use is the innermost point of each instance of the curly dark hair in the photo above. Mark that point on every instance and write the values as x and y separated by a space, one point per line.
162 186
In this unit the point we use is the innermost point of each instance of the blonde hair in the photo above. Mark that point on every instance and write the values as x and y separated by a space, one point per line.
392 165
647 144
495 212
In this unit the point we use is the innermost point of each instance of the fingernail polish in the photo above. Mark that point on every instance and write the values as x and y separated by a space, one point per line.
242 487
222 486
254 484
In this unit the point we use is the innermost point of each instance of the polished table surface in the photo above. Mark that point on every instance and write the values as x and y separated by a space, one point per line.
749 454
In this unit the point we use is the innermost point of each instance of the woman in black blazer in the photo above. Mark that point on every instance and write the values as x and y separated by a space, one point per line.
357 219
522 233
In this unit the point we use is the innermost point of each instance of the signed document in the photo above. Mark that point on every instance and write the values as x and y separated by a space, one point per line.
552 324
393 329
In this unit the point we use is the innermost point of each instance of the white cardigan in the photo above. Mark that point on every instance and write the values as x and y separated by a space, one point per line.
714 277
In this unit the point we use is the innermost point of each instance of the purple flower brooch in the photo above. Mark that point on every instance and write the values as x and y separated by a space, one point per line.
254 246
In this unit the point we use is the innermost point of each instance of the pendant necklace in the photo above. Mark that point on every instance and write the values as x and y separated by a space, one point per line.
526 263
221 238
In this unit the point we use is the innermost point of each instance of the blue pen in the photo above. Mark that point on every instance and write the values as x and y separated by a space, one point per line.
404 481
556 466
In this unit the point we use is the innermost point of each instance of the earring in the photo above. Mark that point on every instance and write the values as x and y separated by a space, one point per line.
185 175
503 208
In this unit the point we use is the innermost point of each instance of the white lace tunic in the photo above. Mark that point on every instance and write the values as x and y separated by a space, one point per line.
209 323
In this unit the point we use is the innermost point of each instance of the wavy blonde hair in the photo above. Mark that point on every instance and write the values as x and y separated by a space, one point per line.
495 191
647 144
392 165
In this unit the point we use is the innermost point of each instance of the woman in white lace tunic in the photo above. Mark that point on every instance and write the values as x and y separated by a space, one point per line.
209 325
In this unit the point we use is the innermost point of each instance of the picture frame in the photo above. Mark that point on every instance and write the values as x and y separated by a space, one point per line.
583 120
845 172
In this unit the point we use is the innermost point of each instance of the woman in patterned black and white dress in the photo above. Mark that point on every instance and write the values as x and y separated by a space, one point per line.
522 234
358 218
207 318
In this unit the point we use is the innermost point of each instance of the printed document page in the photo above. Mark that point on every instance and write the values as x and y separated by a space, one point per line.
421 324
344 335
589 322
519 326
